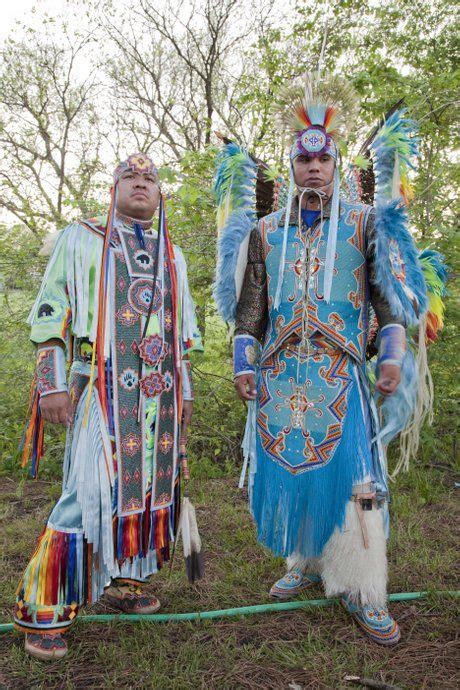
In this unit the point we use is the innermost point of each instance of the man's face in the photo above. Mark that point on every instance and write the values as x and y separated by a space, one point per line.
138 195
313 172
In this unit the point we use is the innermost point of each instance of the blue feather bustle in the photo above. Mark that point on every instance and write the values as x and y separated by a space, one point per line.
398 265
234 189
396 145
391 225
234 233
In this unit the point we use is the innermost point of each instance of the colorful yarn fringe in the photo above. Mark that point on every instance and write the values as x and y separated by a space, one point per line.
136 535
59 571
33 436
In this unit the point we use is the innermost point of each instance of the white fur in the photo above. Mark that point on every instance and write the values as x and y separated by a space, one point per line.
312 565
347 567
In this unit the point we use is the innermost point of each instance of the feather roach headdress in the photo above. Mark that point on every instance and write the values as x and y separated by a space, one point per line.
318 113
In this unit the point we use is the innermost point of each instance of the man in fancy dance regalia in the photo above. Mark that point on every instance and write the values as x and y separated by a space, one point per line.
128 390
318 478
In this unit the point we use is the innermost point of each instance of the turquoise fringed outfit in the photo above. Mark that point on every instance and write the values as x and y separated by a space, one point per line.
314 422
320 285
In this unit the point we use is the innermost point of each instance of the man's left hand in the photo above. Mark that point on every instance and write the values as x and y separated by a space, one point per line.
389 379
187 411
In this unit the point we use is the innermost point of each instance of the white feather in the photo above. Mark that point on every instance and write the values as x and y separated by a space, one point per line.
241 264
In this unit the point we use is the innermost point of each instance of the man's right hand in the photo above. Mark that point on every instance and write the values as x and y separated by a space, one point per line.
245 386
57 408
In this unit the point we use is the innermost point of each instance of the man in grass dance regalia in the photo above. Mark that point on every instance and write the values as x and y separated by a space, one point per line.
318 479
114 302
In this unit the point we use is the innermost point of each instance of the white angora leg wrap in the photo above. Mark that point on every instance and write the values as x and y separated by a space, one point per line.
347 567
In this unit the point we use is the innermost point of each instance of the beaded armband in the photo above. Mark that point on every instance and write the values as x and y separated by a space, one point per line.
246 352
392 345
50 370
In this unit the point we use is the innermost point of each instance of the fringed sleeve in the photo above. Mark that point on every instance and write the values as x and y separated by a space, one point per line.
190 333
51 314
252 308
66 304
67 300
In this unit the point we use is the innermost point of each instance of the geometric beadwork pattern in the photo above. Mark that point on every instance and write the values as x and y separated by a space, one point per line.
301 406
128 431
46 370
132 299
344 319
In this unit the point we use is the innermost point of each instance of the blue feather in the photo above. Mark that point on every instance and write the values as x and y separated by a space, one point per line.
395 136
237 228
391 224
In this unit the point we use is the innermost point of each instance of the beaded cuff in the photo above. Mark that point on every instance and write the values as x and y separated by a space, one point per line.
50 370
246 352
392 345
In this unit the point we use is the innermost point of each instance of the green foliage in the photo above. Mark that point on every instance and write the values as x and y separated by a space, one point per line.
218 418
191 219
388 50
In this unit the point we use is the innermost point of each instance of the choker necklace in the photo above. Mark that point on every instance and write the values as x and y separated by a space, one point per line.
318 194
127 220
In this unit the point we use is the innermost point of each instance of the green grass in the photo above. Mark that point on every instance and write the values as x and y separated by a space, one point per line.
313 648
